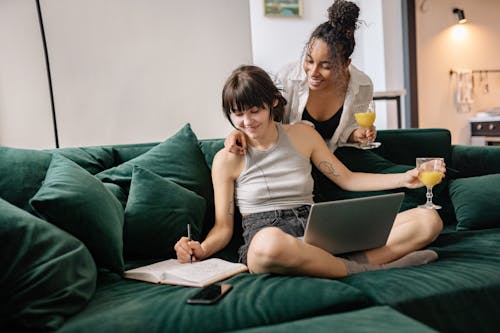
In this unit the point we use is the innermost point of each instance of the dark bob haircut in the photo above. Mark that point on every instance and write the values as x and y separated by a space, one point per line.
250 86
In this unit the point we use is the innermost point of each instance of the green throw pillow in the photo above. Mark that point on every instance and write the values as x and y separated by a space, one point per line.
46 274
210 147
21 174
476 201
92 159
178 158
77 202
157 213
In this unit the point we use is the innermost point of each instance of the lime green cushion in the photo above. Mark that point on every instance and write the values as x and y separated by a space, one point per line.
157 213
46 274
21 174
178 158
77 202
476 201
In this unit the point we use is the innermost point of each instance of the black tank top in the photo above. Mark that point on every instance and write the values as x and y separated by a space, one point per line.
325 128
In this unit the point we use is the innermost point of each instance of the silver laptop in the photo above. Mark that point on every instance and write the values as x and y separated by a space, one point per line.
354 224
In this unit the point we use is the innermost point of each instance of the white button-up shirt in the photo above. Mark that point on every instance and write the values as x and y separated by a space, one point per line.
292 81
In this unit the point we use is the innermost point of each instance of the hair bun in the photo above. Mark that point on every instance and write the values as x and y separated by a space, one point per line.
343 17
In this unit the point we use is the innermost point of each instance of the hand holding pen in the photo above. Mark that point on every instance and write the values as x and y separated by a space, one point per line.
189 239
189 250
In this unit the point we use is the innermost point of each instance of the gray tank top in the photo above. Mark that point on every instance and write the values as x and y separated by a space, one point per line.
275 178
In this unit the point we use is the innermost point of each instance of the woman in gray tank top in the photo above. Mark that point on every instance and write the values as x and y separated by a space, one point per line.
272 187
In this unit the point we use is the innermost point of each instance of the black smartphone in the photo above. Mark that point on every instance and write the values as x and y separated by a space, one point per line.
210 294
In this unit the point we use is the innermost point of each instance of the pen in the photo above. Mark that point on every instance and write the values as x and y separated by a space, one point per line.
189 239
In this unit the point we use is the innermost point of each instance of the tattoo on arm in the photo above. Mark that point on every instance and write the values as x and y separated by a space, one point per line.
327 168
231 208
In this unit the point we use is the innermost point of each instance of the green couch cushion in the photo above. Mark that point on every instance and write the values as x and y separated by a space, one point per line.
21 174
256 300
372 319
476 201
460 292
402 146
126 152
77 202
210 147
118 192
178 158
46 274
92 159
473 161
157 213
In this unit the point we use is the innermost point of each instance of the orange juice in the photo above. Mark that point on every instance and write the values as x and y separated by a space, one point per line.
430 178
365 119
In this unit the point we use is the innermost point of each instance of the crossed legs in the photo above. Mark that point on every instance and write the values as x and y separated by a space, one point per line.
273 251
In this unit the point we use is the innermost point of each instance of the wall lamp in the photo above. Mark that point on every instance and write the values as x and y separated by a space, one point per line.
460 15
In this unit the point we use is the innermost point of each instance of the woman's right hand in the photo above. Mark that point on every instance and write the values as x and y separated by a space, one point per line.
362 135
236 143
189 250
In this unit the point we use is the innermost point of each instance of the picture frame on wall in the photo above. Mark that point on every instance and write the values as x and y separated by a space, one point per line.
283 8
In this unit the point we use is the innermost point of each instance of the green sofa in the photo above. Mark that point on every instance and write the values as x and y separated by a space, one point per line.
73 219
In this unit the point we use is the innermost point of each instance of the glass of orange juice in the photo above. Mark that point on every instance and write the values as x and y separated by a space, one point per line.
365 119
430 173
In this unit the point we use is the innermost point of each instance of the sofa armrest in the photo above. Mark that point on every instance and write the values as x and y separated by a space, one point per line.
470 161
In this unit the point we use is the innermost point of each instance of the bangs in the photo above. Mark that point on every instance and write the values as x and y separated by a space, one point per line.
248 87
242 95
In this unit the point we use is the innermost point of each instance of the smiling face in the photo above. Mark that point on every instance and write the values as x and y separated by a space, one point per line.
320 68
254 121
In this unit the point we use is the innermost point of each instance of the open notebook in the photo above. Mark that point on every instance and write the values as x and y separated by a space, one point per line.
198 274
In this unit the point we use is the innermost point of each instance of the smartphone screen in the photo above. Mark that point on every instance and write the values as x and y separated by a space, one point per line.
210 294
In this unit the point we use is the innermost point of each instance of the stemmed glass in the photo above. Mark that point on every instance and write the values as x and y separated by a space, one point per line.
365 119
430 173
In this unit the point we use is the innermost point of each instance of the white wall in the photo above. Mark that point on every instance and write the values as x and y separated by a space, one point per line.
441 46
123 70
393 50
371 38
25 113
135 71
277 41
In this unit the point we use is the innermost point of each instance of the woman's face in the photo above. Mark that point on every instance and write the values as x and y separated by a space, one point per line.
254 121
319 67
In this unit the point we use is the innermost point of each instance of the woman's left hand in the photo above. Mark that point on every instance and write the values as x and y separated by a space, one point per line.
361 135
411 177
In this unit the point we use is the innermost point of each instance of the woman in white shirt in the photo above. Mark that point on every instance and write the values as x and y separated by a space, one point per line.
325 89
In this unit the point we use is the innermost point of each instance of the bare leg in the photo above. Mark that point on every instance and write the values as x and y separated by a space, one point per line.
274 251
412 230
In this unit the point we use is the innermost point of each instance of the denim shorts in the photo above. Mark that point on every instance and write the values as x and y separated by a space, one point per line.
292 221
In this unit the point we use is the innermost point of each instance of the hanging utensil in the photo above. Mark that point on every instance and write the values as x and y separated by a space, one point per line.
486 88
